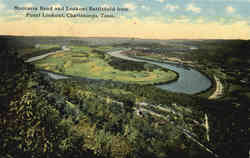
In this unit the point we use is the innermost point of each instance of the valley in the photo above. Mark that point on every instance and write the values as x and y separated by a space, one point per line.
74 97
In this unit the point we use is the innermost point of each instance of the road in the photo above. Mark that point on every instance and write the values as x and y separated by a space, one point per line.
219 89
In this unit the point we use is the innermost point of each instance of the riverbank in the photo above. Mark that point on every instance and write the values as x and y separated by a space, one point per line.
92 64
186 83
188 65
170 62
39 57
188 68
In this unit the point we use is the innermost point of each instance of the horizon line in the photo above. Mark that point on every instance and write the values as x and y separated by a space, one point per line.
125 37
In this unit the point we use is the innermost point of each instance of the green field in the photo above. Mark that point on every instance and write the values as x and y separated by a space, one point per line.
85 62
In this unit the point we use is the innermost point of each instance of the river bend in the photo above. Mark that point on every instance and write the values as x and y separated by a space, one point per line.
190 81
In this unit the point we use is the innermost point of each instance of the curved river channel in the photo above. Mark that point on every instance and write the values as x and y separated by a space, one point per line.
190 81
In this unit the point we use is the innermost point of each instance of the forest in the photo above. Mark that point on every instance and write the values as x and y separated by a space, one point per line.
43 117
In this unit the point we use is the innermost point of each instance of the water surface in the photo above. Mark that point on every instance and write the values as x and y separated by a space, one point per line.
190 81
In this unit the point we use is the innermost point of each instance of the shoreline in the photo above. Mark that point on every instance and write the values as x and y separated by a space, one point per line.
182 65
65 76
185 66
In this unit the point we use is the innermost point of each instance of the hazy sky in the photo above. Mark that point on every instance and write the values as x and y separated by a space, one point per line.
163 19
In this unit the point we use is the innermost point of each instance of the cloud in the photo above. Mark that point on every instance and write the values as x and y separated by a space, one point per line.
2 5
130 6
171 8
181 20
193 8
28 5
230 9
145 7
200 20
161 1
144 28
55 5
106 6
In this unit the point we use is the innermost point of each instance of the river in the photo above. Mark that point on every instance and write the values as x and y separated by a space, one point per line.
190 81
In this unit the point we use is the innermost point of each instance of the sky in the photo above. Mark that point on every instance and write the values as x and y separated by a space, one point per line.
157 19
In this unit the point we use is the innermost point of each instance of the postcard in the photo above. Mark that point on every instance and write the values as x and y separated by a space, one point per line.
124 79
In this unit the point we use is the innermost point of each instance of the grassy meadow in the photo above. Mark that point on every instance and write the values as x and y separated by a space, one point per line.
89 62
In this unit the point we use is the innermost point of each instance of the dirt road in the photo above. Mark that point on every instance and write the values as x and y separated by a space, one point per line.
219 89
